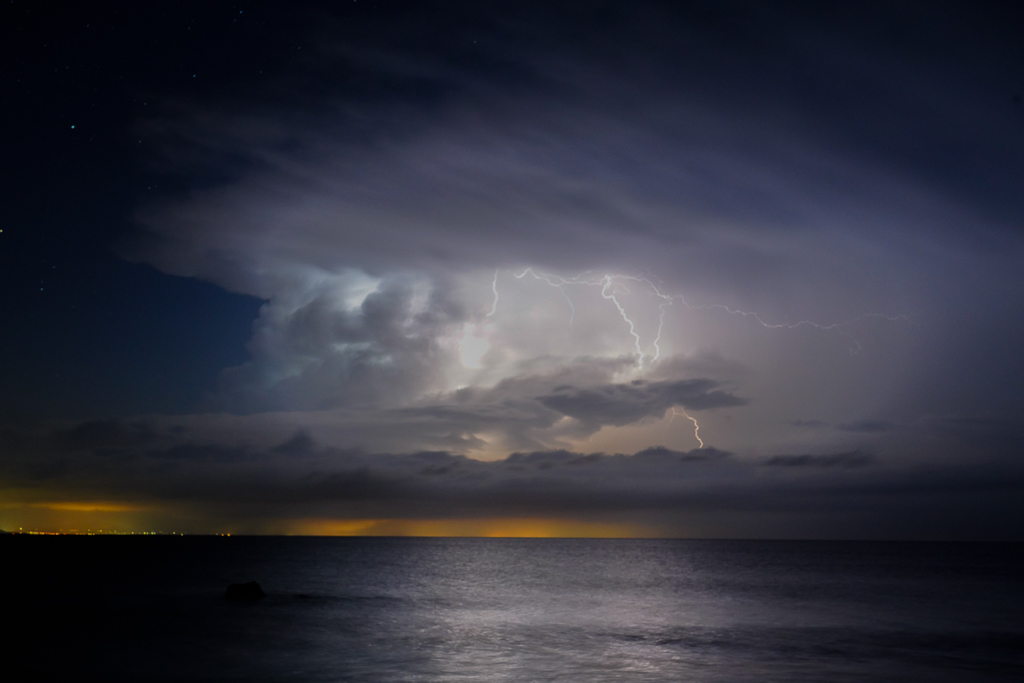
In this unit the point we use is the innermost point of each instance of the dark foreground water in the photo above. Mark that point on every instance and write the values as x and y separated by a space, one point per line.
152 609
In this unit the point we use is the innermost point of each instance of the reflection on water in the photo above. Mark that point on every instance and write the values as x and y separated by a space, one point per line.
515 609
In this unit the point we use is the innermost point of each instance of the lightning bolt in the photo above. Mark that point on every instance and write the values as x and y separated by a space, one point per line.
666 300
494 288
696 427
613 284
610 285
855 345
607 284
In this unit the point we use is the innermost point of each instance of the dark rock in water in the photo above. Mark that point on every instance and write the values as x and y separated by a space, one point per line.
244 591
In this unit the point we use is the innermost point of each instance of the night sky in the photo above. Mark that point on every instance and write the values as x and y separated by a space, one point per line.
708 269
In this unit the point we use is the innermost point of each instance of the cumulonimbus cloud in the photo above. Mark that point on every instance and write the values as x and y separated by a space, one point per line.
388 229
368 223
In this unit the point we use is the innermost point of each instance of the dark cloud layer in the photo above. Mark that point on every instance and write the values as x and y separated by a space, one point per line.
621 404
661 487
851 459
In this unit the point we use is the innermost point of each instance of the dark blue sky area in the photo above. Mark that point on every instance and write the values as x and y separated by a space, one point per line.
86 333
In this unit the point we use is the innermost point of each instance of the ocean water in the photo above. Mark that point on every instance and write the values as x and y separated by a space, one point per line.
404 609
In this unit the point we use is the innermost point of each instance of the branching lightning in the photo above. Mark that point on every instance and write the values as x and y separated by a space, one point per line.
855 345
612 285
610 295
608 285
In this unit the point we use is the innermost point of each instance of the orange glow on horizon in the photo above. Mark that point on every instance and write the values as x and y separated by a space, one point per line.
64 516
489 528
90 507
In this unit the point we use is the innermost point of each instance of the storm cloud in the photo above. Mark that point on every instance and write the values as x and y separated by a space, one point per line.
595 260
372 220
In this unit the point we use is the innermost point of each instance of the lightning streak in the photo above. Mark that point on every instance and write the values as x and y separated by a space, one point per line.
611 285
572 309
622 311
494 288
792 326
855 345
657 337
609 291
607 283
696 427
666 300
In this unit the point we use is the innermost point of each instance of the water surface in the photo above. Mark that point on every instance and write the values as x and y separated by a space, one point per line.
152 608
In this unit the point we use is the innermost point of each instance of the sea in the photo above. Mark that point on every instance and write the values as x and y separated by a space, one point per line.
152 608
